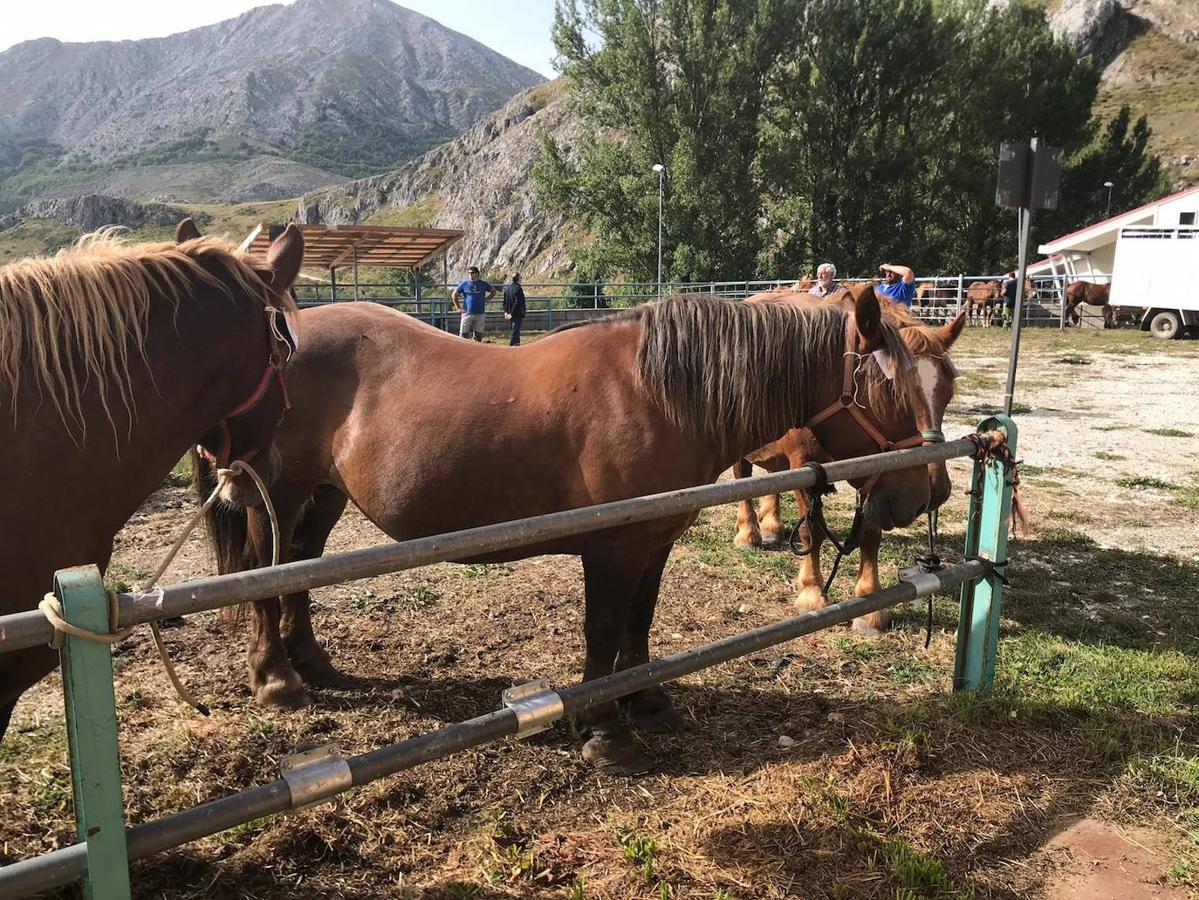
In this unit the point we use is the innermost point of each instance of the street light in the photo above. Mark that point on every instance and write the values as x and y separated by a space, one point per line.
661 170
1109 186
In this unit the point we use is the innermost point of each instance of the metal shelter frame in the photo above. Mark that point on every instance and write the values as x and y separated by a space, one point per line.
101 857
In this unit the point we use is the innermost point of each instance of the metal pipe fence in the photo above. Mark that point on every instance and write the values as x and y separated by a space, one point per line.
555 303
105 845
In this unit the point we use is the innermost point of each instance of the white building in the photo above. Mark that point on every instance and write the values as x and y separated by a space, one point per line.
1090 252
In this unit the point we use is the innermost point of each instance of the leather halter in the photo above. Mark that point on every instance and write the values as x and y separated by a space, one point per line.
861 415
280 337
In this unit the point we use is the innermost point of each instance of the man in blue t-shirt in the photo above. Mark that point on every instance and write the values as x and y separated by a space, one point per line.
899 283
470 298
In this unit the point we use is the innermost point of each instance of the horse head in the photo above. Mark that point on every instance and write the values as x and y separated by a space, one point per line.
886 408
246 431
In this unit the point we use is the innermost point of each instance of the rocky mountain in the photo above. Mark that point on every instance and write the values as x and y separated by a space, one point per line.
346 87
1148 51
481 182
91 211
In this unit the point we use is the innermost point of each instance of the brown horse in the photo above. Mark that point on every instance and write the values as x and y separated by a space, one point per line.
413 426
1093 295
982 298
764 526
114 360
932 293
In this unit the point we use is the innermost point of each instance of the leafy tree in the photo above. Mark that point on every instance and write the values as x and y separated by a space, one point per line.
680 82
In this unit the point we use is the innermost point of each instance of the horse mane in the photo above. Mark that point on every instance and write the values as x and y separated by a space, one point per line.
76 318
724 367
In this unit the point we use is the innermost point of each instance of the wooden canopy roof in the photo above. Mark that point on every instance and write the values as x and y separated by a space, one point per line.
329 246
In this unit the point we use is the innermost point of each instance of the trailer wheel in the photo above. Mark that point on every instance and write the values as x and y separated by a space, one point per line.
1165 325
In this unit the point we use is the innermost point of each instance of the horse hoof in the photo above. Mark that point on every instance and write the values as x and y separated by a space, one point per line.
869 629
654 714
771 538
282 694
747 541
318 671
811 598
616 756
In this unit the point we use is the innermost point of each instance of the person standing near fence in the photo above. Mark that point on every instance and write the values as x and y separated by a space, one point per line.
514 307
470 298
899 283
826 280
1009 298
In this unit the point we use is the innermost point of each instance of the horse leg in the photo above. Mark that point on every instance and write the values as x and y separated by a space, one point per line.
810 582
748 534
649 709
308 657
272 678
610 581
20 671
769 520
6 716
875 623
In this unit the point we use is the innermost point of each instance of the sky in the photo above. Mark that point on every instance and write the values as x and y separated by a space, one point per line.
519 29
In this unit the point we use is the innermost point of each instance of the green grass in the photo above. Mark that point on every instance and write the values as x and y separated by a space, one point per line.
34 237
1110 457
917 875
1145 482
1168 432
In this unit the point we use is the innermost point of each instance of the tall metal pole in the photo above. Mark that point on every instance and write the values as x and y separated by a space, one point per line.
661 170
1109 185
1024 218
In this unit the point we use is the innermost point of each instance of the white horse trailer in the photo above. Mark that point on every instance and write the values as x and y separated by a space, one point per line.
1157 271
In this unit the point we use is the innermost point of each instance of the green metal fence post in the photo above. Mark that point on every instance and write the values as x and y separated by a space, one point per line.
92 733
986 537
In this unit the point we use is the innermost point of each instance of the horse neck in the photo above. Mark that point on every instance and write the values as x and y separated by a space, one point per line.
200 359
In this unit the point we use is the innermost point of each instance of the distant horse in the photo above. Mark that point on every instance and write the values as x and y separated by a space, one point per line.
114 360
1093 295
932 293
804 284
936 373
656 398
982 298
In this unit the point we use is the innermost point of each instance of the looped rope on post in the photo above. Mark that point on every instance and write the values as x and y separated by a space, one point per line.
52 609
992 445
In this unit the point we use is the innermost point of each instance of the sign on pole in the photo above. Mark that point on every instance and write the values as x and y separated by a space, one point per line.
1029 175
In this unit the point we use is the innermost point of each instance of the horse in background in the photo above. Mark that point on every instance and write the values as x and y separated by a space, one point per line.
1093 295
930 347
982 298
656 398
114 360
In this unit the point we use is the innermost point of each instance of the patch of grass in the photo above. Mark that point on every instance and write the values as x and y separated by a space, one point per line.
1019 409
421 596
1168 432
1145 482
641 851
49 740
1069 515
246 829
912 670
1172 775
1110 457
1073 359
1188 495
917 875
1117 427
1182 872
120 577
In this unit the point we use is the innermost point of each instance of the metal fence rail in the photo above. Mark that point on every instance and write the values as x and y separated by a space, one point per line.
105 844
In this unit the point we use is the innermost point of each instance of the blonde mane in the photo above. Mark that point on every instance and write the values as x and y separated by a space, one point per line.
724 367
76 318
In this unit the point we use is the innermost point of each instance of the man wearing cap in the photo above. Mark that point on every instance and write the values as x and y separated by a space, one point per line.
470 298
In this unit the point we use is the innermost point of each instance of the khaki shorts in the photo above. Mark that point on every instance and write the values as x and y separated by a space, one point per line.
472 323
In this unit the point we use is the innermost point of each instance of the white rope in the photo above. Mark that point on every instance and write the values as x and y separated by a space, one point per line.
52 609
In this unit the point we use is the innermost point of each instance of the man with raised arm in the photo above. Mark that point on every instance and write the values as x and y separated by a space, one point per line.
899 283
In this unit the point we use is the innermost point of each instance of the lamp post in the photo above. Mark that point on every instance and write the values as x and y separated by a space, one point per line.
661 170
1109 185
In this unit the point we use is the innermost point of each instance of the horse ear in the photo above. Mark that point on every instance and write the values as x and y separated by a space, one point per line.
950 331
869 317
186 231
286 256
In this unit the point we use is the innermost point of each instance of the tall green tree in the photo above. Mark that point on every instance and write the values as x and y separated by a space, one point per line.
677 82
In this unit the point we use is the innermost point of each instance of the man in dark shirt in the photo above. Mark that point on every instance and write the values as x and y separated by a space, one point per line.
514 307
1009 298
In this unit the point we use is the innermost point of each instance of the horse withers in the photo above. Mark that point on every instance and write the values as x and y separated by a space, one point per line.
114 360
657 398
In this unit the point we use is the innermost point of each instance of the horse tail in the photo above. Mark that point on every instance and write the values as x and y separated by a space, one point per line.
228 531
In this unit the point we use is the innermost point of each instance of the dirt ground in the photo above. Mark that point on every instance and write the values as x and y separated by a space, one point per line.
830 767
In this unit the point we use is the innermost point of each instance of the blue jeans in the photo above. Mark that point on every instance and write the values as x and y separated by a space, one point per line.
514 341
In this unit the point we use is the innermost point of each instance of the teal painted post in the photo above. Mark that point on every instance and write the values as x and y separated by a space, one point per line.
92 732
986 537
